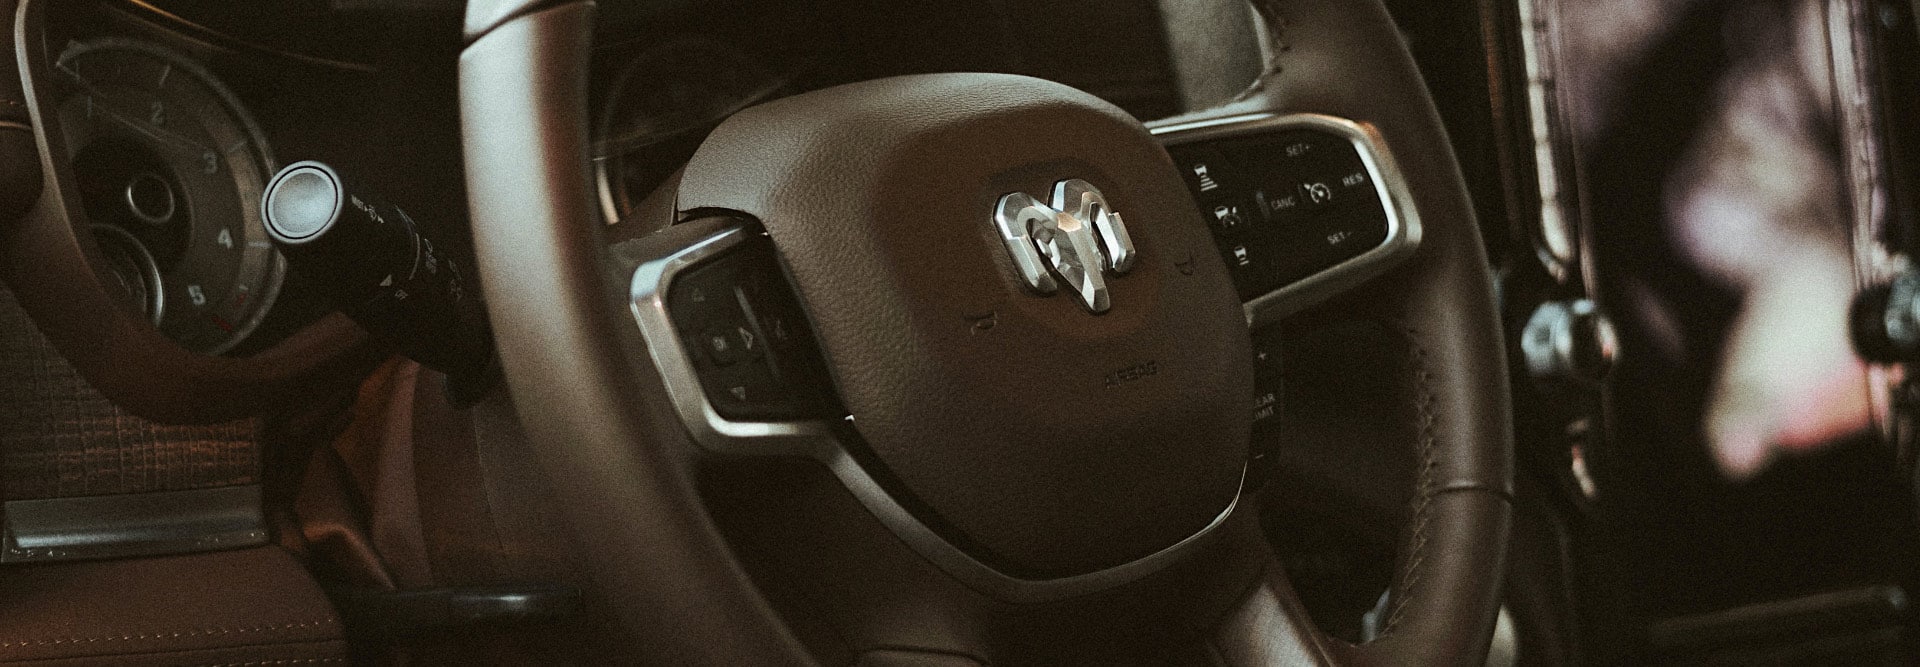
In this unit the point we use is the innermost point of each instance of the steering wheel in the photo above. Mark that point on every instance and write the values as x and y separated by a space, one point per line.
1016 477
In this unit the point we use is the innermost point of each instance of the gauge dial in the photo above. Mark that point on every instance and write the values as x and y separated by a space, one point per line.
169 167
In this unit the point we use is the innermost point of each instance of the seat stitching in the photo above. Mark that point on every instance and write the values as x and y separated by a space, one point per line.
204 632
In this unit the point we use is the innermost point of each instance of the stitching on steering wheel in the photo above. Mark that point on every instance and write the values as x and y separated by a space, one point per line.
1423 495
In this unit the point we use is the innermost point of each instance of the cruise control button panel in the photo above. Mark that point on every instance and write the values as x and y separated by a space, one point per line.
1287 199
749 342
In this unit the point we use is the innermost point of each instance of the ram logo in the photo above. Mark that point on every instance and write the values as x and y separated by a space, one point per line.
1074 239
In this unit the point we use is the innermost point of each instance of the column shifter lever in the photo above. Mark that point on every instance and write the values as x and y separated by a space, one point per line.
373 263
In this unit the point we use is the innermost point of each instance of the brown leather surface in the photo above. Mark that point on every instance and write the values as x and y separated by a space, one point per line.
322 653
487 509
1345 447
1450 570
1346 59
1269 627
880 197
233 607
332 528
575 380
490 518
1443 584
908 658
414 493
358 507
847 585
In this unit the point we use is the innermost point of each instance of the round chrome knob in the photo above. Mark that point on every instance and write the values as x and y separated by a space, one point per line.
1885 321
1569 341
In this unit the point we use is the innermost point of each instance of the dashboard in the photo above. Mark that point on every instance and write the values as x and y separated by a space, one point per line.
168 131
164 121
157 342
170 115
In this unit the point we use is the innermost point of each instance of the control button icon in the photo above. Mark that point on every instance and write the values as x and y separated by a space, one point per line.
1317 192
1205 174
1227 219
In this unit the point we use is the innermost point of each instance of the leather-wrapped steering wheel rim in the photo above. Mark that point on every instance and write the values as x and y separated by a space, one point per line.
625 467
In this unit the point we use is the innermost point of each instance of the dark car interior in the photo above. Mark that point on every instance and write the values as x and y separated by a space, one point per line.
1104 332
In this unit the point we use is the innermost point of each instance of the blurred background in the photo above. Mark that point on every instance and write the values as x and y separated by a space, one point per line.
1727 236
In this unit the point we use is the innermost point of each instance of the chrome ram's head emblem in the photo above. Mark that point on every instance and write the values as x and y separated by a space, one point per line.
1076 239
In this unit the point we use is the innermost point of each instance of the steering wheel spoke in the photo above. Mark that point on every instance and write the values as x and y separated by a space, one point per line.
736 357
733 350
1302 206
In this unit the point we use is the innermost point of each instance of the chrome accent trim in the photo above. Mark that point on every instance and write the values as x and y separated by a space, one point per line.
1505 649
1079 235
1858 116
1569 341
58 181
1084 202
1015 216
128 525
1403 219
816 439
1069 245
718 434
1557 237
156 305
133 199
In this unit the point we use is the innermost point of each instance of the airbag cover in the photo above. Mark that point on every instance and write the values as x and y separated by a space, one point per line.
1044 439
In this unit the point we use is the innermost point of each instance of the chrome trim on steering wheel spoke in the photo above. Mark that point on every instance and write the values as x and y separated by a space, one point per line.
1403 219
713 431
816 439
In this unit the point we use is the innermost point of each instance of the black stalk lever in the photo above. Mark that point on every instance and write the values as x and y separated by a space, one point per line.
375 265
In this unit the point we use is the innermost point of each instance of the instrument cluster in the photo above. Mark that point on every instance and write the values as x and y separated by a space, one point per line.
169 167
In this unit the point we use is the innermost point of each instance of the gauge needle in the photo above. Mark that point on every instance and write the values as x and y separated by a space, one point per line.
95 104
